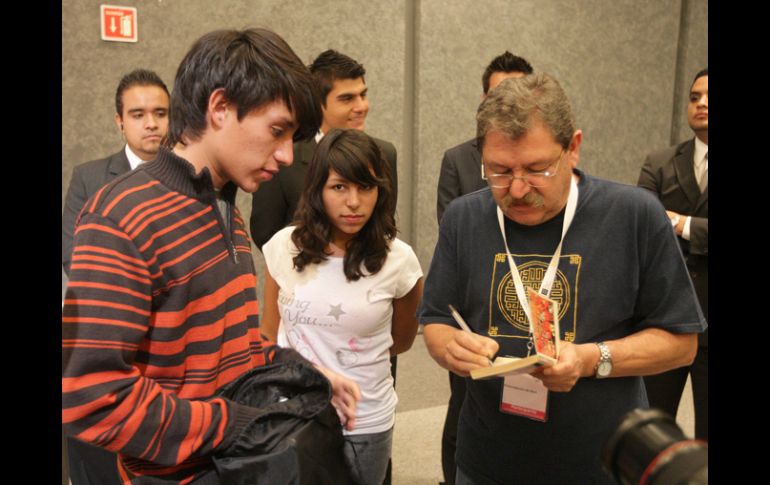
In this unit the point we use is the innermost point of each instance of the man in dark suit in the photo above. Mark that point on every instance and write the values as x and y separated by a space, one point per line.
461 166
679 177
141 104
343 90
141 115
461 173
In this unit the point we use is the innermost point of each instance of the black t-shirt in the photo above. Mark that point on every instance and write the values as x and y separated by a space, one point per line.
620 271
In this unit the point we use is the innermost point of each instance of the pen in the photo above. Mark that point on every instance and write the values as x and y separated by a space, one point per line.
461 321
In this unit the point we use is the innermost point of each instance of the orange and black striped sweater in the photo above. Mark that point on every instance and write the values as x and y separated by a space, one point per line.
160 312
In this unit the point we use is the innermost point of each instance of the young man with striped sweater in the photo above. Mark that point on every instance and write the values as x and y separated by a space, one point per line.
161 308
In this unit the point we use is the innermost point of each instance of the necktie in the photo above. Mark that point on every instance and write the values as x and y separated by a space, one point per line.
703 182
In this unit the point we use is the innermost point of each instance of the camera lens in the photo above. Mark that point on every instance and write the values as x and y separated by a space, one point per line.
649 448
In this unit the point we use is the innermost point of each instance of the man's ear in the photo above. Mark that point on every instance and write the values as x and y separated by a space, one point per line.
574 147
119 122
218 108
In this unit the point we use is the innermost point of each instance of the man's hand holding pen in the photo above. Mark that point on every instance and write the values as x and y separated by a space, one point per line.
467 351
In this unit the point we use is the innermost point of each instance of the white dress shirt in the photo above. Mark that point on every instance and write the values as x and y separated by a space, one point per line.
700 165
133 158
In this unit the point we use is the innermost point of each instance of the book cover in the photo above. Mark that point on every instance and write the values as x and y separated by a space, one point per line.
545 330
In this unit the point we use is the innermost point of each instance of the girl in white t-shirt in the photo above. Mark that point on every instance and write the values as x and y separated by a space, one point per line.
343 291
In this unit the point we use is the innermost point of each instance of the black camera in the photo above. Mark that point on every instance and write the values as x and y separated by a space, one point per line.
649 448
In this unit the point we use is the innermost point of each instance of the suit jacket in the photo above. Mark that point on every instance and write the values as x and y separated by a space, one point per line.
460 174
87 179
670 174
274 203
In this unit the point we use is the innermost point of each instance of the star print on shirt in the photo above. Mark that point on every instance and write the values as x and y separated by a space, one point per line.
336 312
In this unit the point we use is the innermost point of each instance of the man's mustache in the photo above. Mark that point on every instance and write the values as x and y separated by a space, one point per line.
531 199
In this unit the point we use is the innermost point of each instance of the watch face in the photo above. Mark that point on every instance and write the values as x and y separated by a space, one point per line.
604 369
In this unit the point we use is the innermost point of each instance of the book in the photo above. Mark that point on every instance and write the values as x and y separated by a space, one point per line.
545 329
508 366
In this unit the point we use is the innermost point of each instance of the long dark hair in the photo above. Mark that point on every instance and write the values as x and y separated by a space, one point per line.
350 153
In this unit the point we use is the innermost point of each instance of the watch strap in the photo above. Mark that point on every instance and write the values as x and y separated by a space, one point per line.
604 357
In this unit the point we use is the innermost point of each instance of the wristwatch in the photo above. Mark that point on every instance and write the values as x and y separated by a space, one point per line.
604 366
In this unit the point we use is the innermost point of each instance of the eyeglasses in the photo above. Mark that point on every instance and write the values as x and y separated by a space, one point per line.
533 179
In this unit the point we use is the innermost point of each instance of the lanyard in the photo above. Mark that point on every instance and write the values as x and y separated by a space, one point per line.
550 274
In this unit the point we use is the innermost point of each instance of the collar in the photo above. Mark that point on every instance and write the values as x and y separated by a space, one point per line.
700 151
318 136
133 158
179 175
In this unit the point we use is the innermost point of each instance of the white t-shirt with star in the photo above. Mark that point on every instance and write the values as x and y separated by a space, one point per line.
344 325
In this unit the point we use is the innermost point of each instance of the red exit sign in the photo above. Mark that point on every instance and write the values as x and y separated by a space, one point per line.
118 23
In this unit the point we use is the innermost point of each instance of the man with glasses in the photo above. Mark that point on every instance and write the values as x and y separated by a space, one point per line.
603 252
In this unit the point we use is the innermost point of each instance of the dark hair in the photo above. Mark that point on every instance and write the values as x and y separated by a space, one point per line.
331 65
350 153
701 73
505 62
138 77
254 67
512 106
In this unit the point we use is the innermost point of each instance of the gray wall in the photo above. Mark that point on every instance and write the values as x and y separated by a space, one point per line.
626 65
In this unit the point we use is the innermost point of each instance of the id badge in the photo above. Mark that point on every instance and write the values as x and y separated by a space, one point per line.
524 395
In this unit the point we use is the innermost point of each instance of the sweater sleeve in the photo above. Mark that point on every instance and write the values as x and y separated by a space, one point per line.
106 398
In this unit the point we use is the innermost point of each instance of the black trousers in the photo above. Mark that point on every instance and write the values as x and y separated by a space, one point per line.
665 390
449 436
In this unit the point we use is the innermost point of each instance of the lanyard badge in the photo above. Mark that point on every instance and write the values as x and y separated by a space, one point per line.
522 394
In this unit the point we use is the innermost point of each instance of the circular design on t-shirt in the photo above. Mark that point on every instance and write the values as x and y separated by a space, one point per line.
531 274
